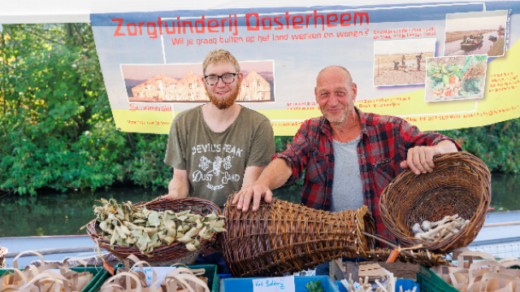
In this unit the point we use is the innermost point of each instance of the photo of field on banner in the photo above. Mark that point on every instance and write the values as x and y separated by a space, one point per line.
455 78
402 62
183 82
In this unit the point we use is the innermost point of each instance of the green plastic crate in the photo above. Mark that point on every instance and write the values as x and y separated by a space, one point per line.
95 271
430 282
210 273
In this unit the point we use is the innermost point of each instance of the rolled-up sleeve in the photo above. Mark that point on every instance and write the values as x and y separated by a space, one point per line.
297 153
414 137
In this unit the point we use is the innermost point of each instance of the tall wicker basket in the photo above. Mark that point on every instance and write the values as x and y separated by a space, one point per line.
282 237
164 254
459 184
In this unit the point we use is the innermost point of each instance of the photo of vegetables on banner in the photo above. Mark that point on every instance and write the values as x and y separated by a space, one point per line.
455 78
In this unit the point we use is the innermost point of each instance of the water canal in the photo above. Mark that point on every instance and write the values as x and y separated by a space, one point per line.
54 213
454 48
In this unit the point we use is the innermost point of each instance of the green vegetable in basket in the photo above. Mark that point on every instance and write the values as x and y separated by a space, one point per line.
314 286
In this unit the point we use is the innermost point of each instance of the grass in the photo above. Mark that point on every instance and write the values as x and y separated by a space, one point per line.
498 48
397 57
459 35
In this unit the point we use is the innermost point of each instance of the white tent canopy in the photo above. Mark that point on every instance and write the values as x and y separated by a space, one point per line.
77 11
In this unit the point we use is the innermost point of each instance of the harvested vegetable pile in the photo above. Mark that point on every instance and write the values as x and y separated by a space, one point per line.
434 231
135 226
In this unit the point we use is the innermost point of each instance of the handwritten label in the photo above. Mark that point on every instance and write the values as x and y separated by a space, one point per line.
161 273
274 284
404 33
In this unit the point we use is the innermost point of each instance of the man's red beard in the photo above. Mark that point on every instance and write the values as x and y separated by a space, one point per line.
224 103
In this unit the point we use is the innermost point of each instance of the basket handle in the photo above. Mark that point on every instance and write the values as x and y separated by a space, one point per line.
139 264
507 260
475 268
129 277
510 264
15 261
471 283
184 278
503 278
67 272
48 276
129 258
472 254
182 270
459 281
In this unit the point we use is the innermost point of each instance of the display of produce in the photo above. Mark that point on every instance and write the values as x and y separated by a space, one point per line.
459 184
129 225
434 231
176 233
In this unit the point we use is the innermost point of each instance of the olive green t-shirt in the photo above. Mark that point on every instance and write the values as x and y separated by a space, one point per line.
216 162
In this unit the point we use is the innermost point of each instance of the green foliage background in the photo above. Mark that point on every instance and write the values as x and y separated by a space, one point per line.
57 130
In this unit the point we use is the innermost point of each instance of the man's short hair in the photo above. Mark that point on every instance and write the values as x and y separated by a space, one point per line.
219 56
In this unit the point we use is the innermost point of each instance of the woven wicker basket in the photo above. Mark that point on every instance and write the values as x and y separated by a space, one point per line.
3 253
459 184
282 237
164 254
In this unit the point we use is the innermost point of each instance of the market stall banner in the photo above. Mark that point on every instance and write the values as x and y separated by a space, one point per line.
439 66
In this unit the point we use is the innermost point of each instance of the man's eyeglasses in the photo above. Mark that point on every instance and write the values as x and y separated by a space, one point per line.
227 78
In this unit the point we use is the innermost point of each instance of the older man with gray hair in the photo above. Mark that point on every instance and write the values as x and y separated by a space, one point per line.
349 156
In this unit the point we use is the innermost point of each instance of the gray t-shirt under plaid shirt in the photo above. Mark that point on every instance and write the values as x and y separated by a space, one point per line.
347 188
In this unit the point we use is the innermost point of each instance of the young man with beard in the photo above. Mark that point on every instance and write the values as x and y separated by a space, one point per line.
349 156
220 147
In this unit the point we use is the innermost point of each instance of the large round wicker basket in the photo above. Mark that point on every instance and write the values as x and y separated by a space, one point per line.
164 254
459 184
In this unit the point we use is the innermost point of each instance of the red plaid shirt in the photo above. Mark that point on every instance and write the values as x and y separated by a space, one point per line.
384 142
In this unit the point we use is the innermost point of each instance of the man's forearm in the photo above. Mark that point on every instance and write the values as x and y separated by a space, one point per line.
446 146
275 174
178 189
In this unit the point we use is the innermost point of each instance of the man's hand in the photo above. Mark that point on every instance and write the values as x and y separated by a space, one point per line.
256 192
170 196
420 158
273 177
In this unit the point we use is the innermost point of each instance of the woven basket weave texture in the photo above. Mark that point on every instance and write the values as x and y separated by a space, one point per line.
283 237
459 184
164 254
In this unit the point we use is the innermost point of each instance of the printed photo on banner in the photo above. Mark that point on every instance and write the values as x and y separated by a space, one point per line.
455 78
402 62
475 33
183 82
